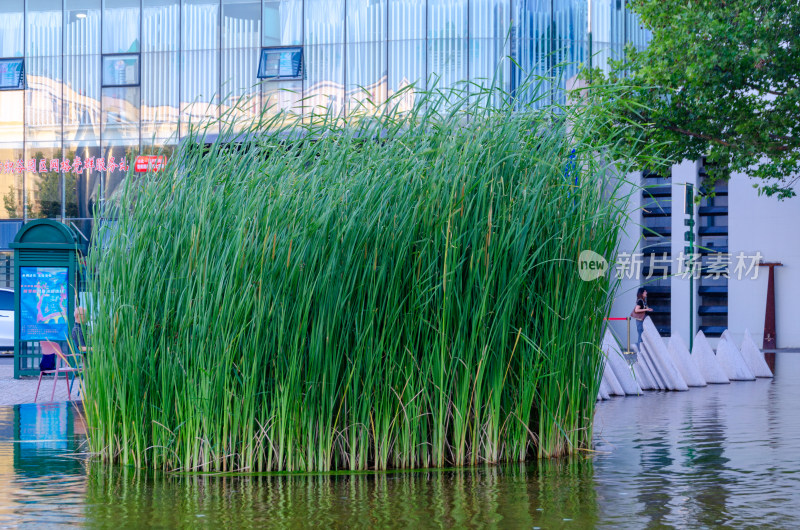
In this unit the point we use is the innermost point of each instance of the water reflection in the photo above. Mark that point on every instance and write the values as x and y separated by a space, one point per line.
41 480
511 496
726 455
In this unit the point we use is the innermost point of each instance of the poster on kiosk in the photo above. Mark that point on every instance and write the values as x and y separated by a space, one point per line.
43 303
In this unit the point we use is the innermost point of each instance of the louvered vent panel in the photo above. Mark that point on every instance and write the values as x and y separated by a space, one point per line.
34 257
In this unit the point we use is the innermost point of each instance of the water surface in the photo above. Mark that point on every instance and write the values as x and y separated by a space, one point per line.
721 456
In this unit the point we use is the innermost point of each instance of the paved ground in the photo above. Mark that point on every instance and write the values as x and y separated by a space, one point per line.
16 391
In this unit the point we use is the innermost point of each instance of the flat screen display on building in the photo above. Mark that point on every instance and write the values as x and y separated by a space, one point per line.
43 303
121 70
281 63
12 74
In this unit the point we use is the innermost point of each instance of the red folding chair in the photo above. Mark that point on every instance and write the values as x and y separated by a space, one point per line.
63 366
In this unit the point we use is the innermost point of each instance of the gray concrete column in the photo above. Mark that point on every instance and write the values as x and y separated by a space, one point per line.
685 172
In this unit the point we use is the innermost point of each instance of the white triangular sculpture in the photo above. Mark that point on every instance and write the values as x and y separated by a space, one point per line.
683 360
622 370
703 356
754 357
731 361
660 358
643 376
649 365
614 388
602 393
642 373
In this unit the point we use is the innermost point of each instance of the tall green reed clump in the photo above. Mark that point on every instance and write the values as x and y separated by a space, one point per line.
394 290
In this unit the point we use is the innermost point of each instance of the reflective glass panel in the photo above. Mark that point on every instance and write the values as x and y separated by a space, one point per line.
366 76
489 19
240 92
324 21
43 27
121 70
160 108
407 48
489 42
112 174
161 23
82 184
81 27
43 98
488 64
121 26
43 184
608 31
407 19
324 89
11 115
200 25
533 34
82 98
447 42
120 120
447 62
11 170
570 18
199 88
282 96
407 67
12 28
241 23
366 20
447 19
283 22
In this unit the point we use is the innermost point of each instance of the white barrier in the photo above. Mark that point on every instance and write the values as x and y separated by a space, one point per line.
643 376
703 356
649 367
754 357
602 393
661 360
614 387
731 360
622 370
683 360
672 367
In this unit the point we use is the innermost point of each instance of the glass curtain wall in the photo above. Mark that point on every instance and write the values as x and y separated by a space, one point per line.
106 80
282 26
12 44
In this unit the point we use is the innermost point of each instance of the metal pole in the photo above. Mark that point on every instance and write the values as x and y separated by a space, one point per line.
628 350
589 60
688 208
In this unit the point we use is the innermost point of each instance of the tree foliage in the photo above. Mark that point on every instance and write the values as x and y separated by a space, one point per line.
719 79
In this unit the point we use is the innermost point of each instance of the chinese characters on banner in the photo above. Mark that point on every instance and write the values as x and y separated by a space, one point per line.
56 165
43 303
144 164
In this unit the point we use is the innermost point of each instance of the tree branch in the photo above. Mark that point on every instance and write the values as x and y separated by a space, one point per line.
702 136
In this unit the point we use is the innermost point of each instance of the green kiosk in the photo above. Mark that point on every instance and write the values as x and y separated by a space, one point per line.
46 280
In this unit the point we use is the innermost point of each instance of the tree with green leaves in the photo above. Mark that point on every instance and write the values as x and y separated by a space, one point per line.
720 79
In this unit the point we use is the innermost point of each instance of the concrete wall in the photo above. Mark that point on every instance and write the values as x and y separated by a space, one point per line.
629 243
763 224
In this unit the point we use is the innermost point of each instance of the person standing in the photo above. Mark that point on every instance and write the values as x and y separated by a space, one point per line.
77 330
639 312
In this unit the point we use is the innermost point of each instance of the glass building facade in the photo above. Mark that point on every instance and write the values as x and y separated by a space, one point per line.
106 80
